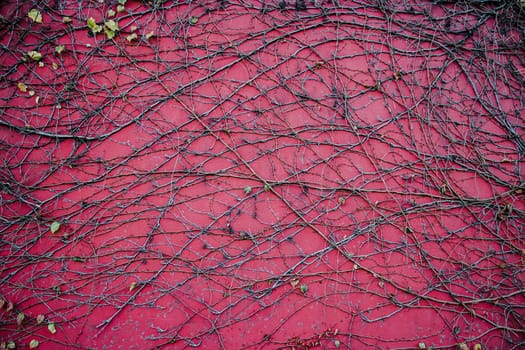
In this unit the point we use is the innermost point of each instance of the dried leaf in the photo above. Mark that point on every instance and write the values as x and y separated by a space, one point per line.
35 15
10 306
20 318
40 318
294 282
463 346
397 75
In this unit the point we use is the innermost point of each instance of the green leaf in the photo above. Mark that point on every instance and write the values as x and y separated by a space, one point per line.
33 344
59 49
34 55
110 28
247 189
92 24
120 8
304 288
55 226
122 2
337 343
132 286
111 13
109 33
111 25
11 345
267 187
66 19
51 328
35 15
194 20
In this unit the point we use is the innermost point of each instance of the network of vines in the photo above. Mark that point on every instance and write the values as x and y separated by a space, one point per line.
262 174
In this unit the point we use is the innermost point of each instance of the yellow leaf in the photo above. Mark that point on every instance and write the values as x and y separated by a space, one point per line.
34 55
35 15
149 35
131 37
92 24
22 87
